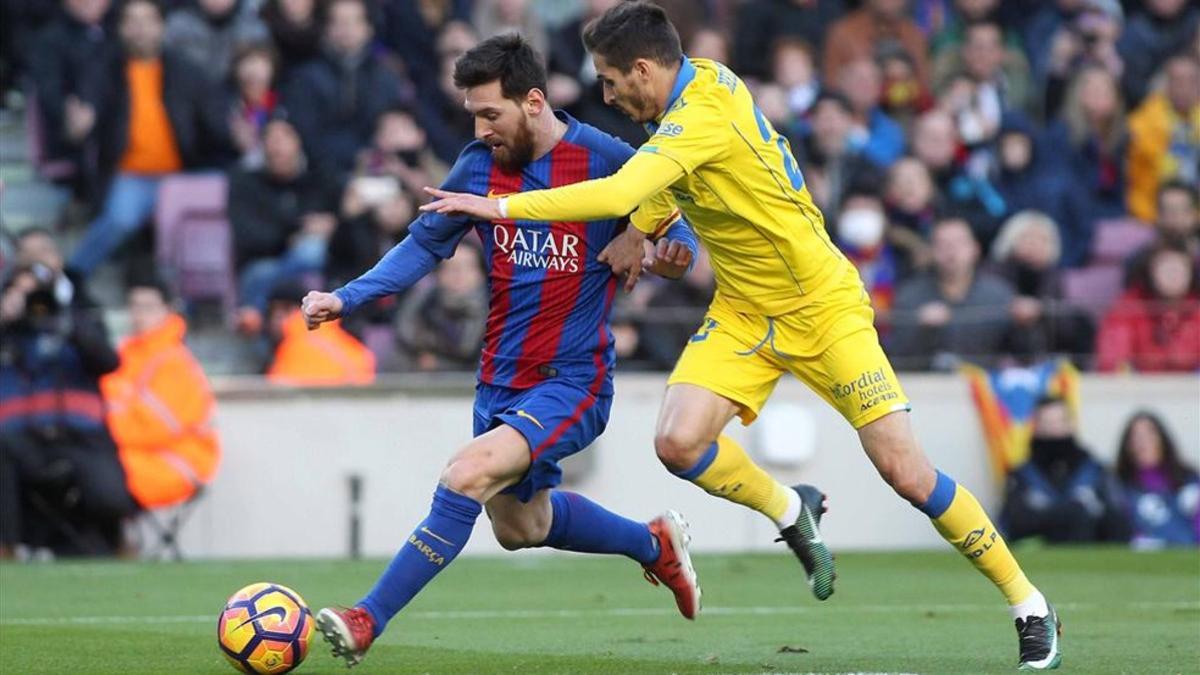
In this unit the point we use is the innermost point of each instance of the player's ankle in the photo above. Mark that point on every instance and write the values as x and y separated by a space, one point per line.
792 512
1034 605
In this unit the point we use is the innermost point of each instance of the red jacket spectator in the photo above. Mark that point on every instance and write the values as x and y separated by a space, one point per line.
1148 335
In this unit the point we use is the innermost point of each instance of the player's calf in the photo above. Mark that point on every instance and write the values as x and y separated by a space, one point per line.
520 525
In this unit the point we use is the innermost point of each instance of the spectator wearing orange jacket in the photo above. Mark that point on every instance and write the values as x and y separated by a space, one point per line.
160 405
327 356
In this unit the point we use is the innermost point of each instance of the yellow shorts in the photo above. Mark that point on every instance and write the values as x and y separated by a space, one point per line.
830 344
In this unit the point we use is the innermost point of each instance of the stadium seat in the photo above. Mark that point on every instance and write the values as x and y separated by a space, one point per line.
1116 240
1094 288
194 240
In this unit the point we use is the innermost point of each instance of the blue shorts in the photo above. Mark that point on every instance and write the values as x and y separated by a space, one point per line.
558 418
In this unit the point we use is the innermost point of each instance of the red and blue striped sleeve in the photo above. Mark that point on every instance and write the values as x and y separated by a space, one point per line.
439 232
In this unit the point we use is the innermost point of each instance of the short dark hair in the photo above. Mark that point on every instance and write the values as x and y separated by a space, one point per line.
864 187
1176 185
972 26
148 278
395 109
632 31
835 97
508 58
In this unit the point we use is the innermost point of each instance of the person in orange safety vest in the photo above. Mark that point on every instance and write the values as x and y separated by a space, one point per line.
160 405
327 356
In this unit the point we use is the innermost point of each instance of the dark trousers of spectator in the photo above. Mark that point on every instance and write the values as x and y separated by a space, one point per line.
1067 522
67 493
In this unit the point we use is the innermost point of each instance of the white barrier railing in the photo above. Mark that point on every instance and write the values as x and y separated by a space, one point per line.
284 486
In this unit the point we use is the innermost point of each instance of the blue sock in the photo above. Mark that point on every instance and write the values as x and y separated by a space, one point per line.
432 546
583 525
939 500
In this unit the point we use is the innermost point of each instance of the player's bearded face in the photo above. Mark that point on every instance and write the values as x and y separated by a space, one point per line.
513 149
503 125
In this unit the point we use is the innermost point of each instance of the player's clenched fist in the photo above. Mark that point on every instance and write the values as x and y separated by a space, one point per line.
320 307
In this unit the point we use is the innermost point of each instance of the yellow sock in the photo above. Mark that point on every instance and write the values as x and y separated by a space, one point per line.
961 521
728 472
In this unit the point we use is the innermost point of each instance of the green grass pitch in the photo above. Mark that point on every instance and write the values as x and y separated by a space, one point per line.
893 612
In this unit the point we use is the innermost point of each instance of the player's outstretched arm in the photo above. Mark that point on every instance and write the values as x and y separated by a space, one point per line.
600 199
399 268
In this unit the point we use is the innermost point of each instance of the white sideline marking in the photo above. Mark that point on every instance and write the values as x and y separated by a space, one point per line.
617 612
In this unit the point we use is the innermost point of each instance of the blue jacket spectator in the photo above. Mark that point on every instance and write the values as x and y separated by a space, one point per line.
334 100
879 137
1062 494
1163 492
1022 176
1089 146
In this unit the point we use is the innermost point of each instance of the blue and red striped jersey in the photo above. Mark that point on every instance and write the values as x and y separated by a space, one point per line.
550 298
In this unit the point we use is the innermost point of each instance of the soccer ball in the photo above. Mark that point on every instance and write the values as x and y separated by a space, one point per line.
265 628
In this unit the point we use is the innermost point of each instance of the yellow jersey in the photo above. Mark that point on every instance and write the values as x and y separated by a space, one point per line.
736 182
743 193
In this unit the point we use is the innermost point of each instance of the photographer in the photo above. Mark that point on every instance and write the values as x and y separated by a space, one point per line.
54 446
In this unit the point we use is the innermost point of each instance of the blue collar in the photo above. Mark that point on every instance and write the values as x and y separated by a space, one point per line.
572 125
687 73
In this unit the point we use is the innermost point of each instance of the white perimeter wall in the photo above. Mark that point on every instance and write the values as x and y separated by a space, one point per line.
282 488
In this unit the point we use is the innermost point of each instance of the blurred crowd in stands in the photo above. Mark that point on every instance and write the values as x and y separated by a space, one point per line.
1014 180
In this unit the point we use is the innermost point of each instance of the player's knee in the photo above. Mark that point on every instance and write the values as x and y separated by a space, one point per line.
678 450
905 479
468 475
